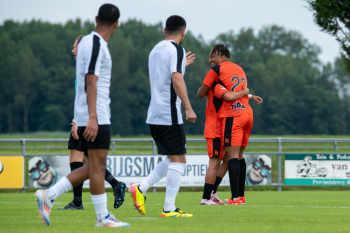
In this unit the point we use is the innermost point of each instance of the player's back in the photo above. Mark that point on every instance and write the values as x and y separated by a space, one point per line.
233 78
165 106
212 122
93 58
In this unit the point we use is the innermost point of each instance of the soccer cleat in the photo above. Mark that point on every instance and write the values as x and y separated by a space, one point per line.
242 200
138 198
177 213
235 202
215 198
119 194
72 206
208 202
44 205
111 221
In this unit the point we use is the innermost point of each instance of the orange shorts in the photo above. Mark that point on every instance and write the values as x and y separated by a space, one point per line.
236 130
215 148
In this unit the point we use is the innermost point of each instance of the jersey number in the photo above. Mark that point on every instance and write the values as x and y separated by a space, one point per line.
239 81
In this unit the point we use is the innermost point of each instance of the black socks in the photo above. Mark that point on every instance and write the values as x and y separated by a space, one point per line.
242 175
77 190
207 191
217 183
110 179
234 172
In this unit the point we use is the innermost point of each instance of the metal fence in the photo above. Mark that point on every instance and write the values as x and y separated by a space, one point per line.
278 146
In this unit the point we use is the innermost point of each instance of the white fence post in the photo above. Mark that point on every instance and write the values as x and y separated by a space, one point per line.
279 162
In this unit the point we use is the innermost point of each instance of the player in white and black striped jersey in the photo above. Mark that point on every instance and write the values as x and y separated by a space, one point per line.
166 64
92 115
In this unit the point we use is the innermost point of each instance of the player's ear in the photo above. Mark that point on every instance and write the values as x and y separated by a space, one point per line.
164 30
96 19
183 32
115 25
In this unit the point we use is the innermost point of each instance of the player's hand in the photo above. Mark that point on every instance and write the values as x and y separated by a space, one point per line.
74 131
257 99
246 90
91 129
190 58
190 116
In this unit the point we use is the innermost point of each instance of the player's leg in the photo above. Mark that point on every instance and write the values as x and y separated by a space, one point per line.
214 146
242 175
45 198
118 189
75 161
174 144
243 167
232 135
219 176
175 171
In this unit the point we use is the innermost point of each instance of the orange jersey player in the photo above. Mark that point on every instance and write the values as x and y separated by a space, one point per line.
236 115
216 150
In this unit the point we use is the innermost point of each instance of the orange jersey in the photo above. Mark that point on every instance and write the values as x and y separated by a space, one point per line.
232 77
212 121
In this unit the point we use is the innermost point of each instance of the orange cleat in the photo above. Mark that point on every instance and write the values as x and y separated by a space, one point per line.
235 202
242 200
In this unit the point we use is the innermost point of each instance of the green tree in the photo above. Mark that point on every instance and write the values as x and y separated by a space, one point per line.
333 16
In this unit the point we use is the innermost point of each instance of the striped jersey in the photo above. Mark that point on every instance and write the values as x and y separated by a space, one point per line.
93 58
166 58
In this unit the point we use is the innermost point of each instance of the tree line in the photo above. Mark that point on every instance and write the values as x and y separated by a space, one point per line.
301 94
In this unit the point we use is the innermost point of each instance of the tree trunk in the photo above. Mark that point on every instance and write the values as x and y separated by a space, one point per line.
25 119
9 115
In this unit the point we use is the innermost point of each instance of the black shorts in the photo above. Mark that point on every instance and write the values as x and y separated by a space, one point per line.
170 139
72 143
102 141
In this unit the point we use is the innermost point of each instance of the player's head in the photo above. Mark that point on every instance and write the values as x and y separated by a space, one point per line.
218 54
260 169
108 16
75 46
175 26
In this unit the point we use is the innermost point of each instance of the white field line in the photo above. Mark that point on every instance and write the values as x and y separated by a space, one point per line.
262 206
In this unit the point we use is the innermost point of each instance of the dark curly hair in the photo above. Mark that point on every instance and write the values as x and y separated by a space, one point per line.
221 49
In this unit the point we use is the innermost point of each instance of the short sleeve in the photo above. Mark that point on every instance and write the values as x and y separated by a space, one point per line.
212 76
219 91
94 55
177 60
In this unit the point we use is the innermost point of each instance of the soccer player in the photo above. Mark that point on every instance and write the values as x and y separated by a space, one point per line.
213 77
166 64
77 160
92 115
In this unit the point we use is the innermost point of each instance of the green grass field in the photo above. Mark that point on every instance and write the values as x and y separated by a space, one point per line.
288 211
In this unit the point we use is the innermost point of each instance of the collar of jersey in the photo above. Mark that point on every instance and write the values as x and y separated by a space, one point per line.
95 33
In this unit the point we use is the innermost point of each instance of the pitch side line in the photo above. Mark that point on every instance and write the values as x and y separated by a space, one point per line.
264 206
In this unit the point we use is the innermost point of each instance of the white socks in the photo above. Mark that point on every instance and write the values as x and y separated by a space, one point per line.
100 204
62 186
159 171
173 178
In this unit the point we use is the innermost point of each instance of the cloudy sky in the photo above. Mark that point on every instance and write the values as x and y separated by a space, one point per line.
203 17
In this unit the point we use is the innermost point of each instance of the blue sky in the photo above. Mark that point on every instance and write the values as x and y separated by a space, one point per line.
203 17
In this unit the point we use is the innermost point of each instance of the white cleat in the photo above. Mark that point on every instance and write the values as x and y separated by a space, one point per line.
215 198
111 221
44 205
208 202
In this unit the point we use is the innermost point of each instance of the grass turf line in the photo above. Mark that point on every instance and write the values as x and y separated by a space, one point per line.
297 211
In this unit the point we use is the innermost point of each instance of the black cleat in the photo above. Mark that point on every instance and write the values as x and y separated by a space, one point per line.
71 206
119 193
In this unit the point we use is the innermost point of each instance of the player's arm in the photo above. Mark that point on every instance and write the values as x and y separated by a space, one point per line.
202 91
90 132
208 81
181 90
222 93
